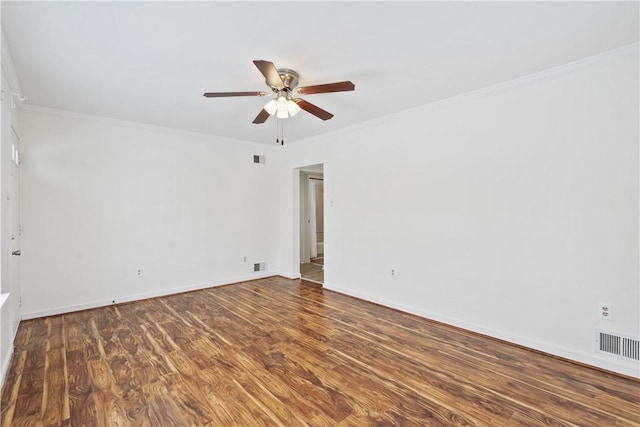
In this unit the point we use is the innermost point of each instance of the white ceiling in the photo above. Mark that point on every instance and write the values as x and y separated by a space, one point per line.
150 62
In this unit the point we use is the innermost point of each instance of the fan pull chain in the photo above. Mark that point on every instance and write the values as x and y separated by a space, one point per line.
279 132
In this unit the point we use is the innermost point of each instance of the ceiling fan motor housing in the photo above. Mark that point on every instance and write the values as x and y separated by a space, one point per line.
289 79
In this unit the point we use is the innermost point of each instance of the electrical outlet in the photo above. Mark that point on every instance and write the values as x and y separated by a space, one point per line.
244 259
605 310
393 273
138 272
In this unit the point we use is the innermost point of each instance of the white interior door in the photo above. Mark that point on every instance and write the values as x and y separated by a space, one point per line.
15 227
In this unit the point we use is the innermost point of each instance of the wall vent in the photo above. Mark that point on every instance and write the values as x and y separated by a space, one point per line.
259 159
618 345
258 267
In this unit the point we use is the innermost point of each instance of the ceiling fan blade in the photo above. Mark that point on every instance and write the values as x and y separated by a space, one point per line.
261 117
313 109
270 73
328 87
223 94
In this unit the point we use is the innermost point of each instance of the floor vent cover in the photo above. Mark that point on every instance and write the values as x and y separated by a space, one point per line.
619 345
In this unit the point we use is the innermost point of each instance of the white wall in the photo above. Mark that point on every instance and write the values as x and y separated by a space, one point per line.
512 211
102 198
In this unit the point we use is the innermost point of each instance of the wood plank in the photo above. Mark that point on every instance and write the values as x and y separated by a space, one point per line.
55 398
81 402
10 395
163 410
28 410
55 332
110 410
32 381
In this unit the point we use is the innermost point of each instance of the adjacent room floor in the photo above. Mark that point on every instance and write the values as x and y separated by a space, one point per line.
314 270
289 353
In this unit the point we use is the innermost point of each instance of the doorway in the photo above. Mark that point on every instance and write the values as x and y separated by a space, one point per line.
312 252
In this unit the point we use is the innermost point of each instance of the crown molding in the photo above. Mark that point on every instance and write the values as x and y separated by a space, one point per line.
135 125
8 67
526 80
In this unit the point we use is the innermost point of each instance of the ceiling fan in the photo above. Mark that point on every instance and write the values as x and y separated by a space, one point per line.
284 85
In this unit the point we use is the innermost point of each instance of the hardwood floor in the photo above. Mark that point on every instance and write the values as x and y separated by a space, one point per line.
280 352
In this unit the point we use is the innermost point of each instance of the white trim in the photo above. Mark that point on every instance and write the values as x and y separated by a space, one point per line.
564 69
5 365
550 73
6 359
624 367
8 67
135 125
138 297
3 298
290 276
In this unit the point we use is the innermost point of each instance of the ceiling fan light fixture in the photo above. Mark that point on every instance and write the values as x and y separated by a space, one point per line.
271 107
292 107
281 103
282 114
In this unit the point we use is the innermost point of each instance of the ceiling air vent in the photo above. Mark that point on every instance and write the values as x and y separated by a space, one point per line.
617 344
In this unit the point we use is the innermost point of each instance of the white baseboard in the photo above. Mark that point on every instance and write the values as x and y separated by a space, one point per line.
6 361
6 358
290 276
137 297
628 368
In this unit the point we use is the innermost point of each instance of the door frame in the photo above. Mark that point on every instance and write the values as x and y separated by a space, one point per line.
15 224
301 240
